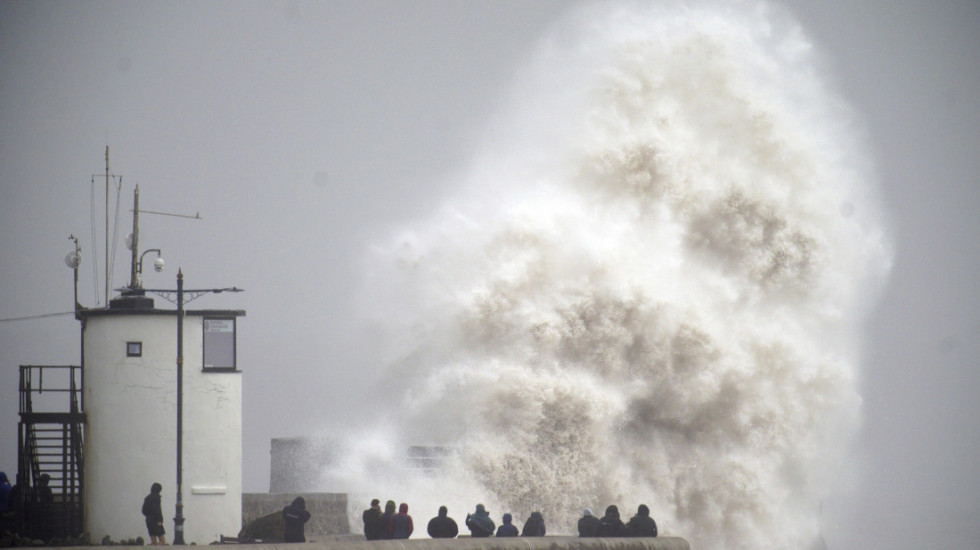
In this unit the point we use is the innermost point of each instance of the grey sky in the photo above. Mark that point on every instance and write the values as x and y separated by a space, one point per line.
303 131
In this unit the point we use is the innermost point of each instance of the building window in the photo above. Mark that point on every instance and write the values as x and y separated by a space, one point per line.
219 343
134 349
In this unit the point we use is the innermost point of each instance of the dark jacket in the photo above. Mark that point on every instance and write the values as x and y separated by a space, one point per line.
151 510
587 524
443 526
400 526
4 492
153 513
480 523
610 525
385 519
641 525
508 529
534 526
294 518
372 524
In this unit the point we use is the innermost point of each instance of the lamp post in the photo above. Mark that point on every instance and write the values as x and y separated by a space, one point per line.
179 517
179 512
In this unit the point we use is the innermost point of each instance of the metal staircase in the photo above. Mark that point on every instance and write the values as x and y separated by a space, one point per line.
49 451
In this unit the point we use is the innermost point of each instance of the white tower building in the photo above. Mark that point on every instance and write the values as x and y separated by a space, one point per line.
161 402
129 363
162 397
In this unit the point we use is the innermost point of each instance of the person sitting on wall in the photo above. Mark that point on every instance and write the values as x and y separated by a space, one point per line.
610 525
587 524
401 526
385 519
372 521
508 529
641 525
443 526
479 522
534 526
154 516
294 518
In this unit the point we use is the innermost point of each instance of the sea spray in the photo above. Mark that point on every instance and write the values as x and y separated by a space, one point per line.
647 289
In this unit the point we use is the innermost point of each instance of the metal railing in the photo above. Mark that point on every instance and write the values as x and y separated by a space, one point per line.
50 442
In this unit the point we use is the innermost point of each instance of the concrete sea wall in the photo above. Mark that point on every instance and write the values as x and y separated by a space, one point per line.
492 543
328 510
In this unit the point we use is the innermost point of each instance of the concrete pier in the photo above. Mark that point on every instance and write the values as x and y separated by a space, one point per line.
490 543
467 543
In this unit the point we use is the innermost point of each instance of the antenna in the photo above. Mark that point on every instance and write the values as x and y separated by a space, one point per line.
132 241
108 176
107 224
135 244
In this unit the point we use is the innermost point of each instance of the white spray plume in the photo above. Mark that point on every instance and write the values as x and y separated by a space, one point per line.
648 289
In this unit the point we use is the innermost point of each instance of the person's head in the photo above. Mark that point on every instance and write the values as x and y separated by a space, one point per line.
390 507
443 511
643 511
375 503
508 518
156 488
44 479
588 512
403 508
299 502
612 511
481 510
3 477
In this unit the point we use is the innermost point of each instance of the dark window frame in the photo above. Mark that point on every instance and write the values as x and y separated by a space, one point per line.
234 344
134 349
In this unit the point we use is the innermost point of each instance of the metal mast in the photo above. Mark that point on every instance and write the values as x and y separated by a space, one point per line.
107 225
134 245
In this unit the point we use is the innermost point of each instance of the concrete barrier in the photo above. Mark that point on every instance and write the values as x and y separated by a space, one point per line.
329 510
491 543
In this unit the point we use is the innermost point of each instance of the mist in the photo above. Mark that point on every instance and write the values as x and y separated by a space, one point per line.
648 288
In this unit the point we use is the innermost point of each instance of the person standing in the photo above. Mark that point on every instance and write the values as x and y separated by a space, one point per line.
44 495
384 522
4 493
534 526
641 525
610 525
587 524
401 526
508 529
154 516
5 490
294 518
372 521
443 526
479 522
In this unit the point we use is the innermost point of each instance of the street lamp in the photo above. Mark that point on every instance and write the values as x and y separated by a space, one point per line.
179 513
157 265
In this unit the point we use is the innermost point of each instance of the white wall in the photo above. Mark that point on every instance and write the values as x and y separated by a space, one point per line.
130 437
